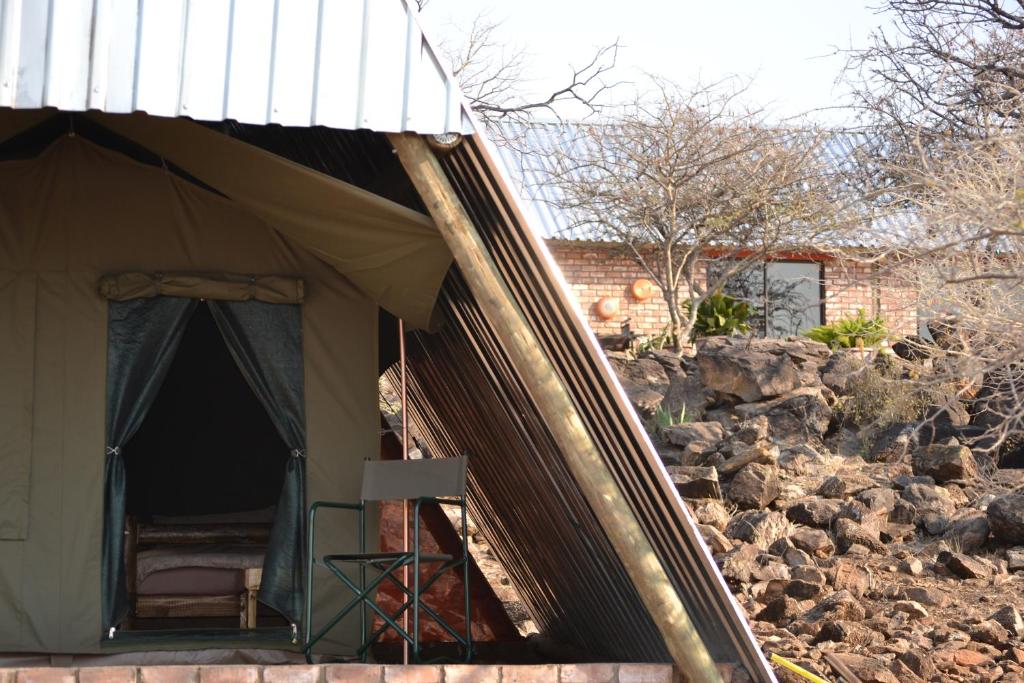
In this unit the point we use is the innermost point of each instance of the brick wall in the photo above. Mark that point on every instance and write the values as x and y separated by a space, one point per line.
603 270
848 288
598 270
352 673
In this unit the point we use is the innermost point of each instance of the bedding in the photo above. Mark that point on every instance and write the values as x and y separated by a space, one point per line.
213 559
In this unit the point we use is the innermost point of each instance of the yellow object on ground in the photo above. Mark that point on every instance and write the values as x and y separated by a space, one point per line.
797 669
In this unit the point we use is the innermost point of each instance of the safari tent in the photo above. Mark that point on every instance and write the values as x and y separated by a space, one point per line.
184 181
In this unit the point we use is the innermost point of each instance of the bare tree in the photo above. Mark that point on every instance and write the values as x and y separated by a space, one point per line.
968 257
687 177
493 74
943 92
945 68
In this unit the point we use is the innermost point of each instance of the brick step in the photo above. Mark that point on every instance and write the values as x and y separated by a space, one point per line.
351 673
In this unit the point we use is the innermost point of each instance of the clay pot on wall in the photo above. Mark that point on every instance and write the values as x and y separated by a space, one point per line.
642 289
607 307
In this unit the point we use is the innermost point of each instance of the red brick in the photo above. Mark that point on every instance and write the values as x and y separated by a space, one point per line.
645 673
353 673
472 673
45 675
413 673
531 673
168 674
8 675
229 674
587 673
292 674
107 674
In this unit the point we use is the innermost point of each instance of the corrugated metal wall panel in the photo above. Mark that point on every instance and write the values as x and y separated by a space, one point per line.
341 63
466 396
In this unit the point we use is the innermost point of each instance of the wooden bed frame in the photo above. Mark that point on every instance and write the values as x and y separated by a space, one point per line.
141 536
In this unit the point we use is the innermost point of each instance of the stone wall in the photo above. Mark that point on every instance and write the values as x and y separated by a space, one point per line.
595 270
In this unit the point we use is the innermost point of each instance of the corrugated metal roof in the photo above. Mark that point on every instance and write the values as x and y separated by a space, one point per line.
532 156
341 63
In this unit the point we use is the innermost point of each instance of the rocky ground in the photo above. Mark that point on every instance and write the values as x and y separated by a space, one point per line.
898 550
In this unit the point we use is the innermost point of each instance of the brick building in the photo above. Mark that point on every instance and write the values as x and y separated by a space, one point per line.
789 294
595 270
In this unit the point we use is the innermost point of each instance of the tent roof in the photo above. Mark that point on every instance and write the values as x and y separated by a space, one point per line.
252 61
392 253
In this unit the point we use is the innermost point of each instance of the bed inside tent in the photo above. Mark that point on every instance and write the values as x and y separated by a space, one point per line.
190 352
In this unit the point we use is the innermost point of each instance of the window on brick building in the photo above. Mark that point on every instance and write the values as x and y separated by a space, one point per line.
785 296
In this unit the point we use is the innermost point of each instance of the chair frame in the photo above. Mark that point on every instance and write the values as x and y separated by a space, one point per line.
386 565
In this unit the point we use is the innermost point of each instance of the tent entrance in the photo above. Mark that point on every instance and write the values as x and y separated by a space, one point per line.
205 472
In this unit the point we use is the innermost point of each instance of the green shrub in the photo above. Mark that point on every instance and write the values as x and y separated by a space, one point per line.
719 315
845 333
656 343
663 418
881 394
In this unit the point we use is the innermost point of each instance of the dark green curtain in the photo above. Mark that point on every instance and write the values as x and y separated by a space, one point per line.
143 335
266 342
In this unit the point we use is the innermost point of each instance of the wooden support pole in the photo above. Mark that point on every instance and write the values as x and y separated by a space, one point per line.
557 409
253 579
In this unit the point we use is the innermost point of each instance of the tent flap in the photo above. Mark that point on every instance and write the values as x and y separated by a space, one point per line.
393 254
271 289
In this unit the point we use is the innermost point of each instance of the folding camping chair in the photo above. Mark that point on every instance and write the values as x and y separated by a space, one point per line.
432 481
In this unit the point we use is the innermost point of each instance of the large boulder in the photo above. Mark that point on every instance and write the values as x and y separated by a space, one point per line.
695 482
792 417
645 401
686 395
840 369
945 462
750 369
929 501
644 381
1006 518
761 452
760 527
850 533
817 512
754 486
738 564
705 434
642 371
892 443
968 531
944 421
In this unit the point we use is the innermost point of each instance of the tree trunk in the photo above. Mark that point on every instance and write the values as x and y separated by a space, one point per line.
675 327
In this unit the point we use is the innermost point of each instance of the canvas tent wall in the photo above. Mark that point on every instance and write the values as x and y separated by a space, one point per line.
72 211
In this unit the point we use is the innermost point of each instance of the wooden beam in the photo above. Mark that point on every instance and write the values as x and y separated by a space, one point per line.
557 409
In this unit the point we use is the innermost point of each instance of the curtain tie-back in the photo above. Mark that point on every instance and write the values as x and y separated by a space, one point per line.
113 450
298 453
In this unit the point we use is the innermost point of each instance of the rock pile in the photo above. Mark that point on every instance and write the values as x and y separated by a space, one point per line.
902 557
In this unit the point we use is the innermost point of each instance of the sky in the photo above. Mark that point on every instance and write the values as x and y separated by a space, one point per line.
788 47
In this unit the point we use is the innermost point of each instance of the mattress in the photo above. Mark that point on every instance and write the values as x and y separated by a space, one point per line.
195 570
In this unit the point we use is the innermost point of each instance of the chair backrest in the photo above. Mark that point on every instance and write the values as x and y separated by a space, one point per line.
407 479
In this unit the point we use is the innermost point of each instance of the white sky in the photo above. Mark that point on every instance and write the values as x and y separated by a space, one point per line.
787 46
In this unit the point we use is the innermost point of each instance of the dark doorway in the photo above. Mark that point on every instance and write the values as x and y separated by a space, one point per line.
207 445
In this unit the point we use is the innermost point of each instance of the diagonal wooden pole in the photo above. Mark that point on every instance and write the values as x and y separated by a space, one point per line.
556 407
